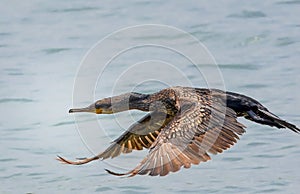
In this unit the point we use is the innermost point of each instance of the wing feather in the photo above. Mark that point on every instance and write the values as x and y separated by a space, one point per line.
140 135
188 138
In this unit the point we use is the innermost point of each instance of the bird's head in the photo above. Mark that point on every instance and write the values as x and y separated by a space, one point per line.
116 104
103 106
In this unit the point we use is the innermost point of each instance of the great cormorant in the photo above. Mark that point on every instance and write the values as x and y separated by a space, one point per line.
183 125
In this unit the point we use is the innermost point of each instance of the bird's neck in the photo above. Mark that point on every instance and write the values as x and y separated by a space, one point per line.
159 102
139 101
142 102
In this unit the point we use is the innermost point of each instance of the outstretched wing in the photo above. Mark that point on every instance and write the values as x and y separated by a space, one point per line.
139 135
198 129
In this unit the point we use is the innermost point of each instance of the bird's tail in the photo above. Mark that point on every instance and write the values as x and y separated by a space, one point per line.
251 109
263 116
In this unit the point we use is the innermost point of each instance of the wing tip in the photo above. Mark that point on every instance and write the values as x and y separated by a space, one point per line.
118 174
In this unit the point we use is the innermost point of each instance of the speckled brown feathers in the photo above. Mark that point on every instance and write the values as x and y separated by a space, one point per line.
189 137
140 135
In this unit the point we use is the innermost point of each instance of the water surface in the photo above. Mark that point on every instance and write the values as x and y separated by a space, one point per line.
255 43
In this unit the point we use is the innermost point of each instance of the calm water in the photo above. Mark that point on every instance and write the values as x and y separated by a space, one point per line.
256 44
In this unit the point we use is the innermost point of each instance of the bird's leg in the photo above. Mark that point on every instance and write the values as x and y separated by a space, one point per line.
77 162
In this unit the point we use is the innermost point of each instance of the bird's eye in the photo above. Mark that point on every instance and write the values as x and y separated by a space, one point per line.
97 106
102 106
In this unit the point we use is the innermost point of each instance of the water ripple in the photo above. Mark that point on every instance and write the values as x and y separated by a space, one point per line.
284 41
81 9
289 2
255 86
102 189
268 156
288 147
55 50
12 175
34 174
248 14
269 190
8 159
63 123
13 71
57 179
259 167
239 66
24 166
3 45
25 100
5 34
19 129
232 159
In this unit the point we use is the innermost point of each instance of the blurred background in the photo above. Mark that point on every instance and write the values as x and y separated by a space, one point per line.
42 43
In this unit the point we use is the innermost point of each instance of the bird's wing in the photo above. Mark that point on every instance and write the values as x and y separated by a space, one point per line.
139 135
198 129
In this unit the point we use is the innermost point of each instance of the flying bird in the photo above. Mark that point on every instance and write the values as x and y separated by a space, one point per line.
184 125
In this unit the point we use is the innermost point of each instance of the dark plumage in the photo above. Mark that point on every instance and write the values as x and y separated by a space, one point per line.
184 125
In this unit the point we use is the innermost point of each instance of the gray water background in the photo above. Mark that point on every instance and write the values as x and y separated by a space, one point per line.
255 43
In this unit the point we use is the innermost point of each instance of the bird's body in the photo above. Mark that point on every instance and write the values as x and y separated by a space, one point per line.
182 127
